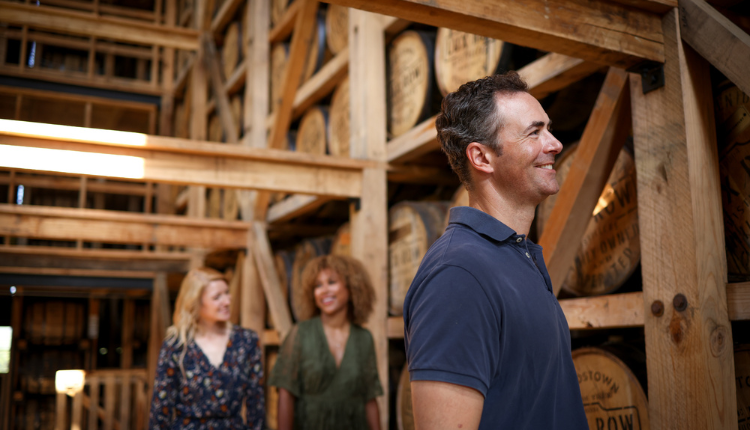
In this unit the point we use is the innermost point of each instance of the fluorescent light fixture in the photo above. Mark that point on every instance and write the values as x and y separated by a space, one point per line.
69 381
40 130
73 162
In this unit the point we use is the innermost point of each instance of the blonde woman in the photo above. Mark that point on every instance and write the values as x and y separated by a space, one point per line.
208 368
326 371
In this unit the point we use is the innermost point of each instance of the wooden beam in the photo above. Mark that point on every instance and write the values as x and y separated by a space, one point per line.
253 301
286 24
93 259
554 72
738 301
302 39
656 6
211 63
93 225
602 140
71 184
689 352
369 221
277 306
293 207
234 289
598 31
321 84
120 29
224 16
158 326
718 40
134 156
608 311
53 271
82 78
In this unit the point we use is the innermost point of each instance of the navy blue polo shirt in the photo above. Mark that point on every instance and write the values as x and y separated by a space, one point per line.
481 313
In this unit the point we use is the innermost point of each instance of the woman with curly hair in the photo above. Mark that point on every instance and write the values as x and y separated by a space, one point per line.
326 371
208 368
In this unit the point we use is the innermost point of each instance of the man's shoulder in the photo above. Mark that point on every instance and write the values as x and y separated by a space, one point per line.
459 246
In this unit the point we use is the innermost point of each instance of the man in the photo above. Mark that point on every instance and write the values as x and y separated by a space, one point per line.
487 343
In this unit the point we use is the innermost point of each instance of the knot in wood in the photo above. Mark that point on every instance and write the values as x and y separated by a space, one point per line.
680 302
719 338
657 308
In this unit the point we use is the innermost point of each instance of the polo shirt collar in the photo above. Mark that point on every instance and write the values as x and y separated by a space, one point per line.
480 222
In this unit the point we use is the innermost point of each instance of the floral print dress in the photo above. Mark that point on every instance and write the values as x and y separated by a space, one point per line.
207 397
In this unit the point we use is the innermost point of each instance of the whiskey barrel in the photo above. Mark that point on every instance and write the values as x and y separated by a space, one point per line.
342 242
272 394
610 249
317 54
305 251
404 411
231 52
742 378
412 228
462 57
338 142
733 126
613 398
279 60
410 80
337 28
312 134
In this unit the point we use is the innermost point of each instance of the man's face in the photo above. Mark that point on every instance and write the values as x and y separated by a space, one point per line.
524 170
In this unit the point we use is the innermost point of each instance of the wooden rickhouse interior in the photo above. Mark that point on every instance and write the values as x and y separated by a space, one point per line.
141 138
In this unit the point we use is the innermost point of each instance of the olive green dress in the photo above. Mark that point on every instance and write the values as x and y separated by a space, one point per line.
327 398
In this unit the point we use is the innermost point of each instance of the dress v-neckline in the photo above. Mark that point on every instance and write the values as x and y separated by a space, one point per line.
223 356
328 346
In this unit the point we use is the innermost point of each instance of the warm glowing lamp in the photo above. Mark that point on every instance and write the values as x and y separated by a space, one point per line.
69 381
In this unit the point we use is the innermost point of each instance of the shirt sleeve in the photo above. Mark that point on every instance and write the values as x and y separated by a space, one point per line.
255 399
370 369
166 386
285 373
452 332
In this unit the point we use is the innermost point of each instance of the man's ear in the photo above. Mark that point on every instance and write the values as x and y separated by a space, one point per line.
480 157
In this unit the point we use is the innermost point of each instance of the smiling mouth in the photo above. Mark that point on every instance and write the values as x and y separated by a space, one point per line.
546 166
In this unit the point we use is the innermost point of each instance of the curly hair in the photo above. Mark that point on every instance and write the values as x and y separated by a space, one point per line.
355 278
470 115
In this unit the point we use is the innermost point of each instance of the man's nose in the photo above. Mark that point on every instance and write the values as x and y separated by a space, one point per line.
553 145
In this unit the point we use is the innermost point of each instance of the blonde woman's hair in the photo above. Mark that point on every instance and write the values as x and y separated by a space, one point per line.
355 279
187 308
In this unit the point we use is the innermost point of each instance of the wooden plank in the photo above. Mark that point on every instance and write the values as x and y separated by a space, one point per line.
211 63
82 78
124 30
414 143
293 207
106 226
224 16
234 289
237 79
93 383
656 6
301 41
126 104
369 222
107 9
52 271
257 95
253 306
717 39
554 72
322 83
158 327
110 393
608 311
601 32
689 347
68 183
738 301
83 45
152 158
286 24
91 259
277 306
271 337
602 140
125 393
395 327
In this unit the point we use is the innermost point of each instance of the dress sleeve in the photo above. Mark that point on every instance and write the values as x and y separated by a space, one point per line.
370 369
452 331
285 373
166 387
255 399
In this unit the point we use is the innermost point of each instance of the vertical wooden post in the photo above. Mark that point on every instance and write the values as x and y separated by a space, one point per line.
688 348
128 323
253 301
93 382
110 391
75 419
91 61
159 323
199 86
369 222
234 289
93 332
61 411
